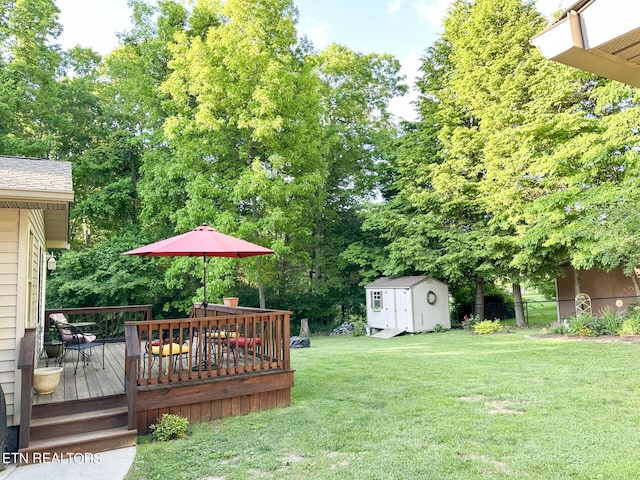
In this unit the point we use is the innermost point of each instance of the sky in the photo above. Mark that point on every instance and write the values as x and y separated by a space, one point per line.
403 28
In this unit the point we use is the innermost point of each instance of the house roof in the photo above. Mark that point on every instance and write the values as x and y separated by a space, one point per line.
598 36
397 282
29 183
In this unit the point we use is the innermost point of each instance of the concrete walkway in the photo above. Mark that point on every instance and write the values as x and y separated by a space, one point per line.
110 465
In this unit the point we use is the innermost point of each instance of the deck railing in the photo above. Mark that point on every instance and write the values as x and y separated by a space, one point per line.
109 320
215 342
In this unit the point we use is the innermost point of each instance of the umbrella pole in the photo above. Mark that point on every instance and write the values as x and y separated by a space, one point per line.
204 302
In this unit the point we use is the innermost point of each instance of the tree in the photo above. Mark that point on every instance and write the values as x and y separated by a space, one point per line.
29 98
246 126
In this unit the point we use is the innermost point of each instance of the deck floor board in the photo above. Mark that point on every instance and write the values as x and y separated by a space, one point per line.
90 381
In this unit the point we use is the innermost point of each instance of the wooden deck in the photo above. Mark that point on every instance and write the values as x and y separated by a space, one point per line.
247 369
92 381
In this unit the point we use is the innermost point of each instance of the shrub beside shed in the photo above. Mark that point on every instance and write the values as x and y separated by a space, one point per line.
412 304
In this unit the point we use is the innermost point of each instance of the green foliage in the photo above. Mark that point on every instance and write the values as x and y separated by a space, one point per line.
558 327
630 326
487 326
101 275
215 112
611 321
585 326
169 427
360 325
469 322
438 328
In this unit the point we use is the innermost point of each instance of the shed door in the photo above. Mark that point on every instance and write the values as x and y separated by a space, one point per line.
402 309
389 308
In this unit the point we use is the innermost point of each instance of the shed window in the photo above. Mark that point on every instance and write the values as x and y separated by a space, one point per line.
376 300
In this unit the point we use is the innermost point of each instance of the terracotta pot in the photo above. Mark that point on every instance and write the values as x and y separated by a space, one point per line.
231 301
45 380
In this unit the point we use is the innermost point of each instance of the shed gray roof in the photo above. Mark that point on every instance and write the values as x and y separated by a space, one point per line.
397 282
30 174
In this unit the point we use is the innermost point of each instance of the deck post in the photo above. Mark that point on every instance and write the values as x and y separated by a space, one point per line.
132 356
286 328
26 361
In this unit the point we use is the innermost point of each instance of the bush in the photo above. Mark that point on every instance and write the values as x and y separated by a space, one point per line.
468 322
585 326
611 321
559 327
169 427
438 328
487 326
630 326
360 325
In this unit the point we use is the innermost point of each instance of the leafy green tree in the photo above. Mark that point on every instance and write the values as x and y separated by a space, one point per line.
246 134
29 98
99 275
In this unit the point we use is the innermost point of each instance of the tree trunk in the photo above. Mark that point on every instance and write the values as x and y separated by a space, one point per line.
518 306
577 285
479 305
304 328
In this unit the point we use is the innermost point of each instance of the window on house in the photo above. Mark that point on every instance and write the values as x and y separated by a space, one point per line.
376 300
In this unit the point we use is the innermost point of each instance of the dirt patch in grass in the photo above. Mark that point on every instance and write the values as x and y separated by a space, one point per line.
494 406
501 406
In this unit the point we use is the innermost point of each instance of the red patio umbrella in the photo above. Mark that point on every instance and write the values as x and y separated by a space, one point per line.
201 241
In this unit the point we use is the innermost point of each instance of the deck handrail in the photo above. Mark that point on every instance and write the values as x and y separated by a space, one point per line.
132 357
109 320
26 363
236 341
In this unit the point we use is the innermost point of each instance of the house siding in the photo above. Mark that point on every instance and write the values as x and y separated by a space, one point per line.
9 248
22 286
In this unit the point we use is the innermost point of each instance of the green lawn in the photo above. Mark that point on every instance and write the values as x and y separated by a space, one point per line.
432 406
539 311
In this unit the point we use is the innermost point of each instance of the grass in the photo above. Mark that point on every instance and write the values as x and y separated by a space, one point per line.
540 311
432 406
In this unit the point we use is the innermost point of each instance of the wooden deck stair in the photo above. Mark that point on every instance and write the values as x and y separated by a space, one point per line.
83 426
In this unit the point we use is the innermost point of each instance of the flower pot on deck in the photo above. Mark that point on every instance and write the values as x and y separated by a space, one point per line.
53 349
231 301
45 380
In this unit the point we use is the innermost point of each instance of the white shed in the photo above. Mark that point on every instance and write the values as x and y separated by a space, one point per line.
411 304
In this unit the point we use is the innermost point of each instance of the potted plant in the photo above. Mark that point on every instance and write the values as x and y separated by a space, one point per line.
52 343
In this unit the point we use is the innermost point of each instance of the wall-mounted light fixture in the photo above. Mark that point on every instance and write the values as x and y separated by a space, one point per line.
51 262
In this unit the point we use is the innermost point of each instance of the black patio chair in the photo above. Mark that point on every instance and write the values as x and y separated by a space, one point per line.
74 338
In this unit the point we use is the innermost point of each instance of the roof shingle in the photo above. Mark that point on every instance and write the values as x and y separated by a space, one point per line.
30 174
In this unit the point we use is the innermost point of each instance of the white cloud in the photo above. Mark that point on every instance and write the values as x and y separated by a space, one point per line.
394 6
402 107
315 31
431 11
